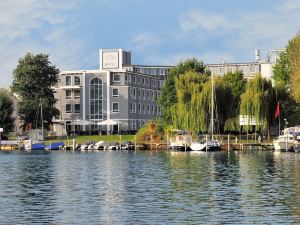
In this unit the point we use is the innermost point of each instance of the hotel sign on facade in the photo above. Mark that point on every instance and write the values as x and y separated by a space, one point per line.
110 59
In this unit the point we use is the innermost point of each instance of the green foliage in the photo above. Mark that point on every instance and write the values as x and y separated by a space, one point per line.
6 111
153 130
258 101
168 95
293 52
237 83
33 78
193 108
287 81
282 71
232 124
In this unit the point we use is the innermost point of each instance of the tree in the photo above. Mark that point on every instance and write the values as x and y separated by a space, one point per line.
287 81
258 101
6 111
282 71
193 108
237 83
293 53
168 93
33 78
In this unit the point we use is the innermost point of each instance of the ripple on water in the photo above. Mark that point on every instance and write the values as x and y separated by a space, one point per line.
150 188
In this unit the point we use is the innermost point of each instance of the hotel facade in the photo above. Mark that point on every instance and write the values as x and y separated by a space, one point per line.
119 91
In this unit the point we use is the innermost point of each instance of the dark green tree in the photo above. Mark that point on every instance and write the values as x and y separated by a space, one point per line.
33 78
6 111
237 82
168 95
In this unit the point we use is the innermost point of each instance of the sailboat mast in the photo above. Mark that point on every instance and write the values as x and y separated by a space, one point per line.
212 103
42 117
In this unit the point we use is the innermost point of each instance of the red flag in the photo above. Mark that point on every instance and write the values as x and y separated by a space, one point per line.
277 113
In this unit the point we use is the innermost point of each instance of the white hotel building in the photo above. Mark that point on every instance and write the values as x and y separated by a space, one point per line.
118 90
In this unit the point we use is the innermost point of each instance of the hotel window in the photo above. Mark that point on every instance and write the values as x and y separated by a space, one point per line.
148 95
130 107
129 78
115 107
134 93
76 80
133 79
143 107
126 77
147 81
68 80
139 108
252 68
68 94
222 70
143 94
130 92
143 81
115 92
76 93
148 107
116 77
153 95
152 109
134 107
96 99
68 108
77 108
138 80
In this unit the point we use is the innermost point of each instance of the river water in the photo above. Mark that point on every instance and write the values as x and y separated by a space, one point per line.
150 188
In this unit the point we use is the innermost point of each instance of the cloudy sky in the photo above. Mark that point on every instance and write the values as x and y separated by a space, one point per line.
156 31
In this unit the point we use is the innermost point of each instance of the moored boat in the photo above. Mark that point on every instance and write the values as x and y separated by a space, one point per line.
287 142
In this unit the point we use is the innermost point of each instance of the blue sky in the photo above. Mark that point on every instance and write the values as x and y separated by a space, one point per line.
156 31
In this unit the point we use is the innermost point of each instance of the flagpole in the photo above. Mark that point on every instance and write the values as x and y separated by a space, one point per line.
278 106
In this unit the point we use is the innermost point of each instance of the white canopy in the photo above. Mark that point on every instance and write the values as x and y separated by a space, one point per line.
108 122
81 122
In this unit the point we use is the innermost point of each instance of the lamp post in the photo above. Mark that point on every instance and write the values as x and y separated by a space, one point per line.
1 130
286 137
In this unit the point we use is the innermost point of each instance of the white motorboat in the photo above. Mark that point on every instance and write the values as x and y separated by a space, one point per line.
286 142
201 145
181 141
101 145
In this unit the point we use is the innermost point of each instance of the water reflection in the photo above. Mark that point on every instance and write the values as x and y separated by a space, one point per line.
150 188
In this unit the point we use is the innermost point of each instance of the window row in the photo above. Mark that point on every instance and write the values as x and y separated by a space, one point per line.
134 125
76 80
144 109
143 94
138 80
71 93
70 108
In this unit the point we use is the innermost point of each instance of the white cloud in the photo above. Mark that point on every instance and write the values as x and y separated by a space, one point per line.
240 34
290 5
144 41
39 26
193 20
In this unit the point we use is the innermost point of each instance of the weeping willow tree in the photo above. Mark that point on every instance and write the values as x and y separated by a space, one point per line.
258 102
185 114
193 108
